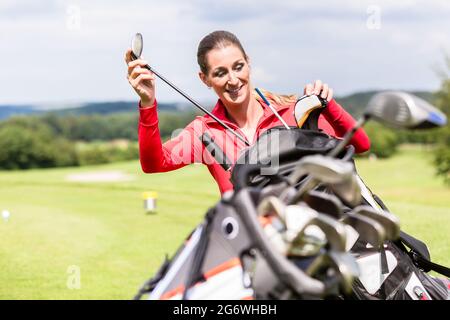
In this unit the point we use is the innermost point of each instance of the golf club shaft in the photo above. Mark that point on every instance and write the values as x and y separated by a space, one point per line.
194 102
308 184
272 108
347 137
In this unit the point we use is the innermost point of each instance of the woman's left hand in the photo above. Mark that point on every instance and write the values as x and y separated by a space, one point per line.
319 89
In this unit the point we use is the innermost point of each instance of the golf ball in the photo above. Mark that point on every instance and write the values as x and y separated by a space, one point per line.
5 214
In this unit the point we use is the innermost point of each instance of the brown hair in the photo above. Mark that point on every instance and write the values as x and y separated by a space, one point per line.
215 40
278 99
221 39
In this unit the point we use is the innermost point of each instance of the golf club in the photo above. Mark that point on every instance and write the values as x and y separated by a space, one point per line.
308 108
342 262
324 203
319 169
390 223
334 231
396 109
137 45
272 109
349 191
272 204
369 230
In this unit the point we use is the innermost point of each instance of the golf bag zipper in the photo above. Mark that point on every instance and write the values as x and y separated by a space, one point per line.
420 293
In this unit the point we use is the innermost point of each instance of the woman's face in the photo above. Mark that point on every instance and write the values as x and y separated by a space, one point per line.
228 74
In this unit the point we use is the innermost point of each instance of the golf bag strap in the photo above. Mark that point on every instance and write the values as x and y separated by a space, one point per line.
378 200
195 273
411 242
415 244
419 252
151 284
427 265
420 255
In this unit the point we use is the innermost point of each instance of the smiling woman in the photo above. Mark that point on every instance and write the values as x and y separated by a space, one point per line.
224 67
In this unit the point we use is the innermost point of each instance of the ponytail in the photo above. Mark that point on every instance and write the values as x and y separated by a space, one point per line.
278 99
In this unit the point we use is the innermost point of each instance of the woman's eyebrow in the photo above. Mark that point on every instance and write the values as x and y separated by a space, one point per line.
222 68
218 69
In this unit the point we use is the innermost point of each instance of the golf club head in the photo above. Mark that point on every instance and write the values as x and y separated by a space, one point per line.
390 223
347 266
348 191
324 203
334 231
369 230
323 169
343 263
272 204
403 110
137 45
300 217
305 107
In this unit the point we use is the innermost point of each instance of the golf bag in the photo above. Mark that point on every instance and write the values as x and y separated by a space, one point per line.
228 257
395 271
398 270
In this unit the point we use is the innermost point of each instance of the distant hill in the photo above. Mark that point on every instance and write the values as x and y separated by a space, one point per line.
7 111
112 107
353 103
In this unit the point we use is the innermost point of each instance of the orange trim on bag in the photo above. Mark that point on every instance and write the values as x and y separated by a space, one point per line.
209 274
170 294
223 267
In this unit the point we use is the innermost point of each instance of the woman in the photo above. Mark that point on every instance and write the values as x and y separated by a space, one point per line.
224 67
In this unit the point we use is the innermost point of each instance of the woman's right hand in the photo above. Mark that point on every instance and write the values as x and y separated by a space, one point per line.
141 79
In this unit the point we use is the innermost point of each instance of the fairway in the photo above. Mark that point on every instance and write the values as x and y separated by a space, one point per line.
59 224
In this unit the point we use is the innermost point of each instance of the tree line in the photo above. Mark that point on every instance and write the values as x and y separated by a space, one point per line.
53 140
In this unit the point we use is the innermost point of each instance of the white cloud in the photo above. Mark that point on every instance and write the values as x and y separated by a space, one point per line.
290 43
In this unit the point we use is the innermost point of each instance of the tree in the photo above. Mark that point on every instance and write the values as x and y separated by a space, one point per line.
442 101
23 147
383 141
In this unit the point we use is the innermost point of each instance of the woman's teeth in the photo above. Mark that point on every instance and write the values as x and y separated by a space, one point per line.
234 91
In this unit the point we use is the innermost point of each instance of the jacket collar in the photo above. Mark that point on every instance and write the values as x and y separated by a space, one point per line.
220 112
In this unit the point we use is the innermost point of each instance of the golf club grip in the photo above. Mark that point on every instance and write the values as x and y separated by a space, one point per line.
215 151
292 276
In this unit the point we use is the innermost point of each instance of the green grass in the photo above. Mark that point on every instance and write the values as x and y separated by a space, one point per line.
410 189
99 227
102 227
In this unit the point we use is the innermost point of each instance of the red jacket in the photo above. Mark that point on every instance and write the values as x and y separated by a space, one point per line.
187 148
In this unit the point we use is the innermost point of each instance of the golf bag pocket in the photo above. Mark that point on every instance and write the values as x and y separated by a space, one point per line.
372 276
402 280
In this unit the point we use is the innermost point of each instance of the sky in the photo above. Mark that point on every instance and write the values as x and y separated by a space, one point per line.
59 51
